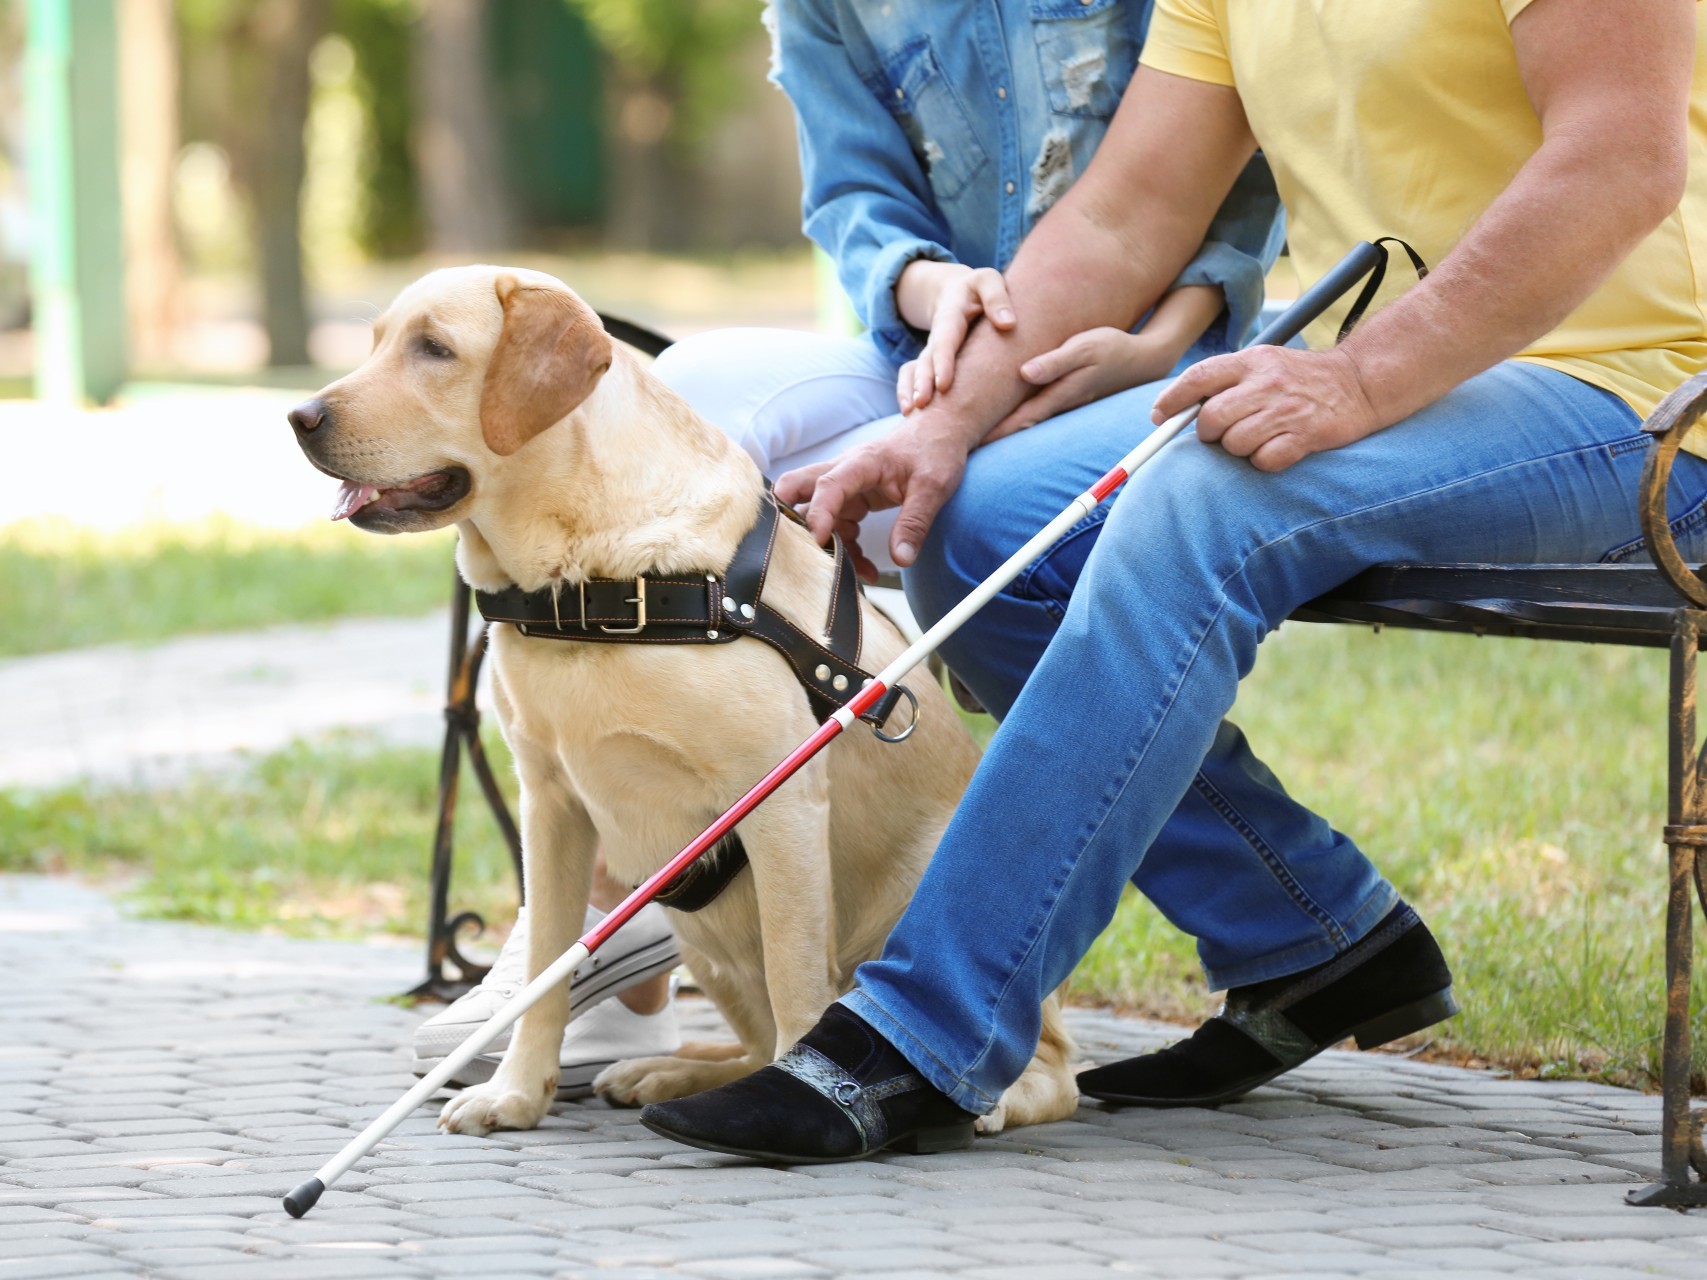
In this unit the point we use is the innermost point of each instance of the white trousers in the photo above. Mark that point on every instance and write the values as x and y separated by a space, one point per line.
790 398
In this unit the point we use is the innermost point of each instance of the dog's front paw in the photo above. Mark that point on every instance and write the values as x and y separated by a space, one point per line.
480 1109
642 1080
995 1121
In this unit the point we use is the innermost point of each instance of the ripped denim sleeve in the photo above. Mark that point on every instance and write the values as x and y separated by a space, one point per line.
894 337
866 200
1242 244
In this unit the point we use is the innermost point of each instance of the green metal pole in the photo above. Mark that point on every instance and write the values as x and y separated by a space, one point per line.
77 253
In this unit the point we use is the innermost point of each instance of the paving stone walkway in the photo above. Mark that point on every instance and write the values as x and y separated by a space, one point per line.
162 1085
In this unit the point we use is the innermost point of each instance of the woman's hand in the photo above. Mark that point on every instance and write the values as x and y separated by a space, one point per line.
1086 367
944 298
1099 362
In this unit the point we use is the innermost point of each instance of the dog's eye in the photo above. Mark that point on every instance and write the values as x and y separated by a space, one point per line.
436 349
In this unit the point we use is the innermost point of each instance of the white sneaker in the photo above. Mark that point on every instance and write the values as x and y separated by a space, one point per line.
643 948
608 1033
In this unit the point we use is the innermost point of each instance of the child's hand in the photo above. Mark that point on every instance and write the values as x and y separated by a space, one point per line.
1086 367
952 296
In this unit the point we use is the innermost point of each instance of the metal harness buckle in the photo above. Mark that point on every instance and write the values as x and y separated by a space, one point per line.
638 599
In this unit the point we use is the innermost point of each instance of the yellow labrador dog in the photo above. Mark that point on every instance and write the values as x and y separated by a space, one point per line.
494 400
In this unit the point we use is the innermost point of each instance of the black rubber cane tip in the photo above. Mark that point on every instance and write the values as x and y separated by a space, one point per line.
304 1197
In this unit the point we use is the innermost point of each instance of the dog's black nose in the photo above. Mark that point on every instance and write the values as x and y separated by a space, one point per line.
308 416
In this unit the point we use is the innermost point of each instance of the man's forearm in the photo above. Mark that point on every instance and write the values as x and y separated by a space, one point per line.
1069 277
1540 249
1111 247
1609 81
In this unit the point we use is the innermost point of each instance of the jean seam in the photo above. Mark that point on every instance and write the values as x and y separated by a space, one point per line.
1280 964
1270 858
1692 519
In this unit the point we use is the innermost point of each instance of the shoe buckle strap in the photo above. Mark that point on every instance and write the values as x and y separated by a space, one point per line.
859 1103
1273 1030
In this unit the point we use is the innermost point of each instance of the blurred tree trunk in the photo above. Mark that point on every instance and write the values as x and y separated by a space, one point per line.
458 146
652 196
283 34
149 139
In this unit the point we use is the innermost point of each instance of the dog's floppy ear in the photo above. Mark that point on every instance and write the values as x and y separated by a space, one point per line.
549 358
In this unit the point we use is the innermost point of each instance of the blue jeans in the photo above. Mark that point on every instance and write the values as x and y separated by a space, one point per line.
1114 659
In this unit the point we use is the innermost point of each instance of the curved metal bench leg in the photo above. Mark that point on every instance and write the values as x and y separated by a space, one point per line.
1686 820
1686 845
462 732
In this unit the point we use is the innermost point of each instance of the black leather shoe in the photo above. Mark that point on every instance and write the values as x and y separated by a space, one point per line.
1390 984
842 1093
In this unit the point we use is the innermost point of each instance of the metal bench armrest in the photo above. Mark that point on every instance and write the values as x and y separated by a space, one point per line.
1670 423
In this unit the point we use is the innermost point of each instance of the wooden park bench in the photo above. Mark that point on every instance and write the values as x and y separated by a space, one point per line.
1663 605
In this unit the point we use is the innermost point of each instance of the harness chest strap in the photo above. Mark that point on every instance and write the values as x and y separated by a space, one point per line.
709 608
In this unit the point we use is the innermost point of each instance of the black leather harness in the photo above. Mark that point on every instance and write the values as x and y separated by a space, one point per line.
709 608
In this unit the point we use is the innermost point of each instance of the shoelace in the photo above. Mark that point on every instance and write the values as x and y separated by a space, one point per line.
509 972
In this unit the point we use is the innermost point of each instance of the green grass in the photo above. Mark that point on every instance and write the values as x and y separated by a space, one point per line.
1513 791
331 839
66 586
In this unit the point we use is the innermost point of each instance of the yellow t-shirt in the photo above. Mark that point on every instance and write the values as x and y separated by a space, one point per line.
1407 118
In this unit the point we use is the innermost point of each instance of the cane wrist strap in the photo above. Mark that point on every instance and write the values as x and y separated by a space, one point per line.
1373 284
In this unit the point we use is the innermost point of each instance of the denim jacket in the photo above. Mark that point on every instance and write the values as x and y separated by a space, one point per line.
945 128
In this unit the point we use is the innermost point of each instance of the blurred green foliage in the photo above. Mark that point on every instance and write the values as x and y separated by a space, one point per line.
378 30
680 49
329 838
214 38
683 47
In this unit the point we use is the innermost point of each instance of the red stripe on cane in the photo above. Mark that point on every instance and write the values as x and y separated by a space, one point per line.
1108 484
622 913
867 698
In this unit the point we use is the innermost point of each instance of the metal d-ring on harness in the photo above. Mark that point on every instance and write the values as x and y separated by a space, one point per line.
710 608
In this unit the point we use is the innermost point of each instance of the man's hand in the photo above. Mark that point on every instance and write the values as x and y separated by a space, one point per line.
914 467
1274 405
949 297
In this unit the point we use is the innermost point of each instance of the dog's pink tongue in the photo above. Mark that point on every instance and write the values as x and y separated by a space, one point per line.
352 497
